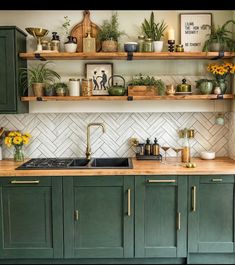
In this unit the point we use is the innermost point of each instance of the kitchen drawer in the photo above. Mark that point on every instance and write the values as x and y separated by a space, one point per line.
217 179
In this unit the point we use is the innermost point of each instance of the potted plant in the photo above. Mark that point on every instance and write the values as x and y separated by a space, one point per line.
38 77
50 90
220 39
71 44
145 86
154 31
61 89
109 34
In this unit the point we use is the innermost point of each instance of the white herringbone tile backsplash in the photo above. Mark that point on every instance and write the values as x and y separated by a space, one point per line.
64 134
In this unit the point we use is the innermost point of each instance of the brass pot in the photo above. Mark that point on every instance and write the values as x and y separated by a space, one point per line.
184 87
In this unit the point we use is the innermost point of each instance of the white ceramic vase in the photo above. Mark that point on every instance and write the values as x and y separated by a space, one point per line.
158 46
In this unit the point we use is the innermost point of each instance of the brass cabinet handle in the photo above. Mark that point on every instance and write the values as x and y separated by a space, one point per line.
129 202
194 198
178 221
25 181
76 215
217 180
161 180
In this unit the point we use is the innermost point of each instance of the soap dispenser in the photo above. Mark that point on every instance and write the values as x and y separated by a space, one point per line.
147 147
155 148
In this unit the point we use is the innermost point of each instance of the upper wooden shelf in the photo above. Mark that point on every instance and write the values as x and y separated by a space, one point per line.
124 55
129 98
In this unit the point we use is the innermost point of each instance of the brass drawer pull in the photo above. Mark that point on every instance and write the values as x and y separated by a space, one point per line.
178 221
129 202
217 180
194 198
161 181
25 181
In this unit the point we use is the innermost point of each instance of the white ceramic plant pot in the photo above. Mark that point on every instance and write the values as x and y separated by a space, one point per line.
70 47
158 46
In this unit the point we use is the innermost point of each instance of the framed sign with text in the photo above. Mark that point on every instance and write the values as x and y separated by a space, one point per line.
194 28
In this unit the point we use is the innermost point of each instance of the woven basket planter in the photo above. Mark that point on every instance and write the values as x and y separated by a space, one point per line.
109 46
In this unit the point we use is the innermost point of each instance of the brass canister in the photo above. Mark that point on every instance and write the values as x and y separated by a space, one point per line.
87 87
179 48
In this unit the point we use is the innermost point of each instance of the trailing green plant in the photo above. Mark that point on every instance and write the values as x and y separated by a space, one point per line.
153 30
66 25
141 80
109 30
37 74
60 85
220 35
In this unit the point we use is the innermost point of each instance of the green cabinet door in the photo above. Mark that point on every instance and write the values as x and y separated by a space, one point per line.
12 41
161 216
31 217
211 214
98 216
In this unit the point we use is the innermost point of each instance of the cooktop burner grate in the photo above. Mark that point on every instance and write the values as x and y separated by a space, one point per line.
45 163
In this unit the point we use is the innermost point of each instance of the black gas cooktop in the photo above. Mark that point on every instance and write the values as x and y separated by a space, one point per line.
46 163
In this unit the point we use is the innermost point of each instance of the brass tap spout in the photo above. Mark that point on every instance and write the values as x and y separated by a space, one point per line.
88 148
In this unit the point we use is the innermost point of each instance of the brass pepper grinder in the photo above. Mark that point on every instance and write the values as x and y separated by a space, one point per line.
147 147
155 148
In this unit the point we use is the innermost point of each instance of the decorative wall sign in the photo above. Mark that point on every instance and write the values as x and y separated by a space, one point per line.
194 28
100 74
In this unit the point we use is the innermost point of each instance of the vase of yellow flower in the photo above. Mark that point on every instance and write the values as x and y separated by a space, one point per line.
221 71
17 139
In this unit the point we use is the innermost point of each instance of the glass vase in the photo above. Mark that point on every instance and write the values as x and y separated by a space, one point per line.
18 153
222 83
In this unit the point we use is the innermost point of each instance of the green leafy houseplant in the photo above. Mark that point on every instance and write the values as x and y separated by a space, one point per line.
61 89
109 31
39 74
148 81
222 36
153 30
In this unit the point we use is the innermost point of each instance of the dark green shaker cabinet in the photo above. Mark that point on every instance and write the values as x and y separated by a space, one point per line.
211 214
161 216
31 223
98 217
12 42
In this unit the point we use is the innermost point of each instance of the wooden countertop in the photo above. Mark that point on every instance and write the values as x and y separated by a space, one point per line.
222 165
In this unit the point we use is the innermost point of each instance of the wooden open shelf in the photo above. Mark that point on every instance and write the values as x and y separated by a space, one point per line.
130 98
124 55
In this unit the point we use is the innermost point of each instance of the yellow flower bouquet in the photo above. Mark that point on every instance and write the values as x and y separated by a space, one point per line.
221 71
17 139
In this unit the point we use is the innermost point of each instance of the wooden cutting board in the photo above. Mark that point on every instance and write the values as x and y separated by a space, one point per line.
80 31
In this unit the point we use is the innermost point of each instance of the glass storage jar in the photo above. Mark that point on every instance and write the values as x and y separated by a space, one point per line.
148 45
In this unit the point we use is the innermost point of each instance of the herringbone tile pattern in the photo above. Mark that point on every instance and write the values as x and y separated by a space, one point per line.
64 134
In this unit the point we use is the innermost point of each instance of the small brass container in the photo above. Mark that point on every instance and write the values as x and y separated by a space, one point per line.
179 48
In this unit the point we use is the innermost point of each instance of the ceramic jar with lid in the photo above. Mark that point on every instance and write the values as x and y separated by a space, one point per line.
179 48
74 87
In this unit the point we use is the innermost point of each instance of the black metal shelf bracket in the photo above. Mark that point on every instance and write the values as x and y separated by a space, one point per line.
39 57
220 96
130 98
39 99
129 56
220 55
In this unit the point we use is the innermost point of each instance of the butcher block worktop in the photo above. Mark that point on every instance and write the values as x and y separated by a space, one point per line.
222 165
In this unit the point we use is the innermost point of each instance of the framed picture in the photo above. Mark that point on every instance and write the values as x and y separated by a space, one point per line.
100 74
194 28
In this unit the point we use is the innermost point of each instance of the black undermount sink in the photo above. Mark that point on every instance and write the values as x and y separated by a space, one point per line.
111 163
115 162
77 163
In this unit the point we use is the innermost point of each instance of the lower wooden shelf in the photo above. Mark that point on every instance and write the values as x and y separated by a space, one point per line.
129 98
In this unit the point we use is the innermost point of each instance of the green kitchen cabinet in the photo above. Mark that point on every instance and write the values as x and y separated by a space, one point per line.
211 214
31 223
161 216
12 42
99 217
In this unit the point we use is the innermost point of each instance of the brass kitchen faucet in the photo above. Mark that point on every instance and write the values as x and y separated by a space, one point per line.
88 148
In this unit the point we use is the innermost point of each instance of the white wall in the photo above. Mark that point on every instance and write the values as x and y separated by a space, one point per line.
130 21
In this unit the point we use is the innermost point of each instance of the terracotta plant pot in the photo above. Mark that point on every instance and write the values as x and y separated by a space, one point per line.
38 89
109 46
